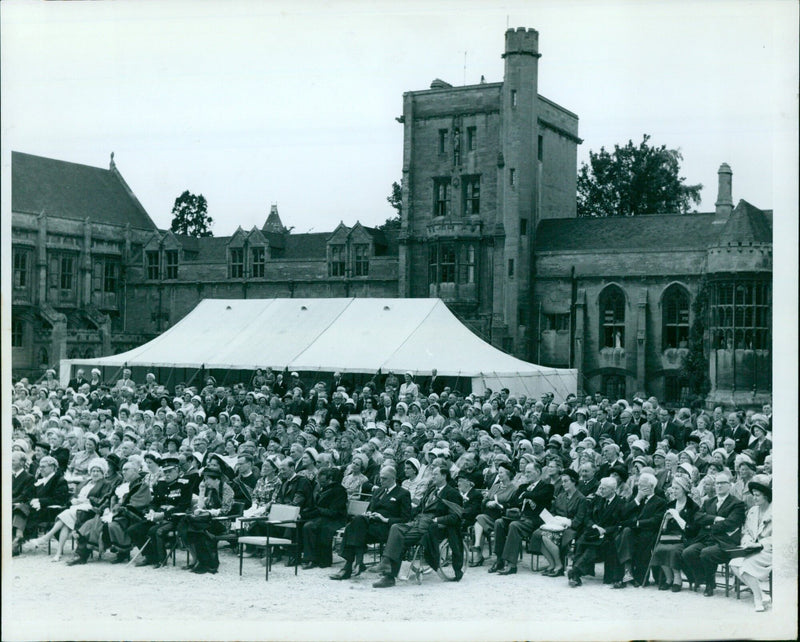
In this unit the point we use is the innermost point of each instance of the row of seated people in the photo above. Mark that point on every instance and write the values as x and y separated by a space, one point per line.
672 535
621 532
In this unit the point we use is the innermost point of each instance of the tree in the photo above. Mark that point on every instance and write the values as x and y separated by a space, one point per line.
634 180
190 215
395 199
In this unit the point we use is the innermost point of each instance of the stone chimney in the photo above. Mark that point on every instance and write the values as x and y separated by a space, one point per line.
724 202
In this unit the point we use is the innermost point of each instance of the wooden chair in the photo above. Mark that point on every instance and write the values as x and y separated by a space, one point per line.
280 515
451 536
739 587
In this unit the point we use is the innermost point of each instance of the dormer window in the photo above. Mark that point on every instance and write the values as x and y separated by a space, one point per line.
171 264
361 260
236 263
258 262
152 265
337 262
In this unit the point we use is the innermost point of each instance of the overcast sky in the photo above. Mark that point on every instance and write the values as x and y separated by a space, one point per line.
295 103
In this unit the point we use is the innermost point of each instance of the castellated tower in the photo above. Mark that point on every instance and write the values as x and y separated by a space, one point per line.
517 180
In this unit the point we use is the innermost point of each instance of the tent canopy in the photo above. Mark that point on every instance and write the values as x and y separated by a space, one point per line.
353 335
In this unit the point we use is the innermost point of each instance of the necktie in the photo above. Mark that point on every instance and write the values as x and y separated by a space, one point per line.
431 499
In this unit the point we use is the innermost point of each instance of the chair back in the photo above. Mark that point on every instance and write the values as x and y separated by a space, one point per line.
283 513
356 507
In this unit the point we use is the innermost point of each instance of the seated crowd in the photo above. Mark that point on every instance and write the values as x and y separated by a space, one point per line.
654 494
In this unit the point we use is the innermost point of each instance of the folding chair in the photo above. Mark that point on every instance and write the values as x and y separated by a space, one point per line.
281 515
740 586
418 567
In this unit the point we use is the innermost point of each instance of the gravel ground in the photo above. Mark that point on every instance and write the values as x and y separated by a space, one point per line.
46 600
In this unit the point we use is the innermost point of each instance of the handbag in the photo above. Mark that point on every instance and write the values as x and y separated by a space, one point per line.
199 523
513 513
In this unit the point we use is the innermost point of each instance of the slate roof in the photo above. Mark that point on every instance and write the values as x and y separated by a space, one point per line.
74 191
273 222
212 249
306 246
656 231
746 224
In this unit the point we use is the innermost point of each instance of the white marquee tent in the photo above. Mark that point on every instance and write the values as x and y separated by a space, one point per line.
354 335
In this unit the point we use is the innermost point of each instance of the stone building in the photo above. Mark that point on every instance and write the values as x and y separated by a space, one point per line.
93 274
74 230
482 166
613 297
489 225
174 273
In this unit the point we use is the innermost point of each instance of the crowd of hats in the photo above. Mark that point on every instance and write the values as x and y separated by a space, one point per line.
376 423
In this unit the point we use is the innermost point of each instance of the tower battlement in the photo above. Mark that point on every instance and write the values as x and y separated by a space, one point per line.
522 41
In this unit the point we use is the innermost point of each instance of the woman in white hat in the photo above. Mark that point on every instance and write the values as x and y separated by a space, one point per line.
760 444
355 482
308 464
756 536
79 464
408 387
678 532
95 382
90 499
42 401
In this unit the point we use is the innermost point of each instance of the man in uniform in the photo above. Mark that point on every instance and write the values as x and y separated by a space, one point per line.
171 496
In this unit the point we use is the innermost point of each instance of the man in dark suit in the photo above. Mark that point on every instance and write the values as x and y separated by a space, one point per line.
434 385
597 540
78 381
641 521
720 520
611 459
626 427
22 490
531 499
386 410
21 480
741 435
232 406
50 494
390 504
471 498
296 490
651 430
217 404
589 481
602 426
339 380
440 506
672 428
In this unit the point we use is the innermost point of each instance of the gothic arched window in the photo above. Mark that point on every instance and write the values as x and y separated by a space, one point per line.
612 317
675 317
